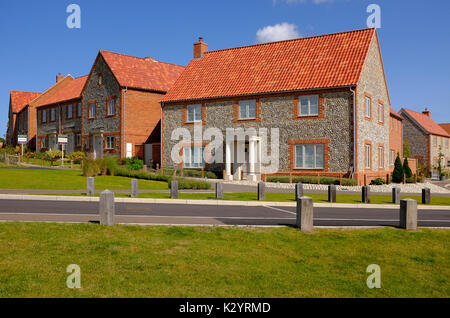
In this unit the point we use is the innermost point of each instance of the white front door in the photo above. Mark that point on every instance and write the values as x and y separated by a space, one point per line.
129 153
98 146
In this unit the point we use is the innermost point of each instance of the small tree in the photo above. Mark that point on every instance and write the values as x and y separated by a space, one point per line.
397 174
52 155
406 150
406 169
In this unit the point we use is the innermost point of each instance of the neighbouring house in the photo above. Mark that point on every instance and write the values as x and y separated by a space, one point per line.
17 125
59 113
425 137
447 129
121 108
326 94
395 137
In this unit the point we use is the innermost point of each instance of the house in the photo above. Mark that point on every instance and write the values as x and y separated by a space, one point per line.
425 137
121 105
59 113
395 137
17 125
326 95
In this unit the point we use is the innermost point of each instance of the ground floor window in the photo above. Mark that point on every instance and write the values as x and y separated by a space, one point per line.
309 156
78 139
380 157
368 156
87 142
110 142
392 157
194 157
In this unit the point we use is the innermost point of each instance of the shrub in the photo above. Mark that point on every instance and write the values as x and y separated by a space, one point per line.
111 165
76 156
90 167
140 175
52 155
312 180
397 174
378 181
406 169
190 184
134 163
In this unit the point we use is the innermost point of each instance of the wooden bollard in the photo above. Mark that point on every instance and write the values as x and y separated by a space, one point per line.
415 178
224 174
365 194
181 172
365 180
426 196
203 173
318 178
290 177
387 179
404 178
340 179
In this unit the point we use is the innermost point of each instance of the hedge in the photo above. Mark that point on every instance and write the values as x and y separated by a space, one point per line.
190 184
123 172
190 173
313 180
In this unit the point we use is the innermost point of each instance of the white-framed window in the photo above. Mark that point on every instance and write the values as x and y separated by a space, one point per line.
392 157
52 114
308 105
368 156
247 109
44 116
194 113
193 157
79 110
380 113
368 105
110 142
78 139
435 141
309 156
69 111
380 157
92 110
111 107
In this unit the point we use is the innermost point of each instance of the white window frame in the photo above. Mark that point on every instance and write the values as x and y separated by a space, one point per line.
309 98
110 141
368 156
368 107
435 141
113 107
392 157
189 152
303 164
91 112
247 104
69 111
196 110
380 113
380 157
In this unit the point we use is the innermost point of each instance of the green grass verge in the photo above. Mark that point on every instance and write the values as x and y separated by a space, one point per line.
133 261
67 180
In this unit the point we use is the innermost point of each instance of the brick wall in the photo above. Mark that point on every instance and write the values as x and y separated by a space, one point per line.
395 139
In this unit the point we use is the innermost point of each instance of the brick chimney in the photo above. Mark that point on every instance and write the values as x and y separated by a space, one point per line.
200 48
426 112
59 78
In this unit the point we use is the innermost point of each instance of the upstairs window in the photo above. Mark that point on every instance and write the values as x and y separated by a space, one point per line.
92 110
44 116
52 114
193 157
368 106
111 107
380 157
435 141
308 105
392 157
69 111
194 113
380 113
368 156
247 109
79 110
309 156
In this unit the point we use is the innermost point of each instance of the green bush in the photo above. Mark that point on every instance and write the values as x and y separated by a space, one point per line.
111 165
312 180
53 155
410 180
190 184
406 169
140 175
90 167
134 163
397 174
378 181
190 173
76 156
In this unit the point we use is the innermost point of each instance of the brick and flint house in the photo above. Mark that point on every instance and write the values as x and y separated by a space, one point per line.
59 113
426 138
121 109
20 118
326 94
395 137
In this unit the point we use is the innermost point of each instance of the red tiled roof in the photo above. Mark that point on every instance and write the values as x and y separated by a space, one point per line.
20 99
145 73
331 60
426 122
69 92
446 127
395 114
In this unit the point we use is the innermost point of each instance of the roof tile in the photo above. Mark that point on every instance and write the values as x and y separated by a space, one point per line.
426 122
20 99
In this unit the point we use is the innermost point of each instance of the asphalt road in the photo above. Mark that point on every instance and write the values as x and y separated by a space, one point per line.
140 213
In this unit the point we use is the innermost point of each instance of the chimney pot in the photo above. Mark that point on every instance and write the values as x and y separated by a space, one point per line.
59 77
426 112
200 48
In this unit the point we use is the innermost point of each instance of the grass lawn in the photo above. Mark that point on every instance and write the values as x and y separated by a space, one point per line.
67 180
133 261
47 163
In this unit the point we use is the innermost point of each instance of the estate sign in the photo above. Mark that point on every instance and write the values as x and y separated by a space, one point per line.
22 139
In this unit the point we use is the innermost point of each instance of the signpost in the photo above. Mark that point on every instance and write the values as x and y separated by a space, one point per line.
22 140
62 140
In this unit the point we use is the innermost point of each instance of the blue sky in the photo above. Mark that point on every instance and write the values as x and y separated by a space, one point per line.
36 43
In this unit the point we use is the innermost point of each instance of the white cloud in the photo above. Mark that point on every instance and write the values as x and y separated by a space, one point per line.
277 32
